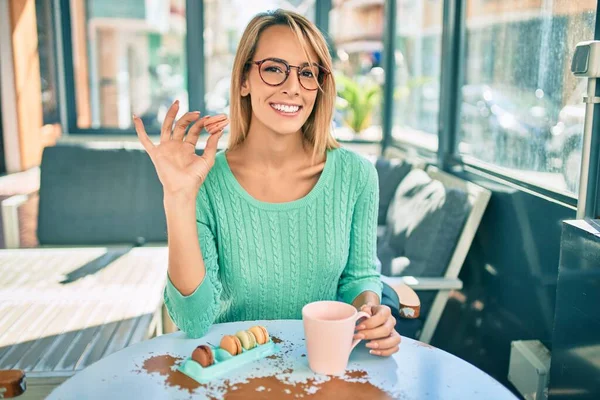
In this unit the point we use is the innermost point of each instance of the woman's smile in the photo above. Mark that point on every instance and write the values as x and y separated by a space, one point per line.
286 109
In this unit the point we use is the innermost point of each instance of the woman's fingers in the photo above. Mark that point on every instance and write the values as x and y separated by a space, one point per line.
216 127
215 118
213 125
194 132
386 343
183 123
142 135
380 314
211 149
216 123
378 332
165 133
386 352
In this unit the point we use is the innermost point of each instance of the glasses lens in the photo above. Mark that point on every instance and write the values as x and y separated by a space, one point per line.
273 72
311 77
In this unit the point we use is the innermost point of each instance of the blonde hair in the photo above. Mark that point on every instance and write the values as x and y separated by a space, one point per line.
317 128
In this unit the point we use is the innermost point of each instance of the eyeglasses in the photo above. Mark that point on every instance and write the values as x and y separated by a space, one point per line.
275 71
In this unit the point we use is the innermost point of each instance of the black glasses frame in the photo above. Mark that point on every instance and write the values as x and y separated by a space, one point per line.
324 72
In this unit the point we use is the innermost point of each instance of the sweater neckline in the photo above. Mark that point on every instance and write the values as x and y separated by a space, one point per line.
221 160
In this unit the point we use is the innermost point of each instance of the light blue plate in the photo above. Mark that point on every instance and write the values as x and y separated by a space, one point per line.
225 362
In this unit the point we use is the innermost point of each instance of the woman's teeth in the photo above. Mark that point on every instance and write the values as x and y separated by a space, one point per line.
285 108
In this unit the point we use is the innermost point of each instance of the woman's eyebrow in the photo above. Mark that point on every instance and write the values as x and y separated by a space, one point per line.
305 63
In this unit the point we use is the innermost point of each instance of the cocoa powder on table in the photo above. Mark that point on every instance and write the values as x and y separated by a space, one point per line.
163 365
270 387
276 340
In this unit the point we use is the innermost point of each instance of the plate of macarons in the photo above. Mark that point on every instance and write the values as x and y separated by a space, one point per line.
208 362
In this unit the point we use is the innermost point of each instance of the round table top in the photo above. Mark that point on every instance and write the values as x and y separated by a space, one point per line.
148 370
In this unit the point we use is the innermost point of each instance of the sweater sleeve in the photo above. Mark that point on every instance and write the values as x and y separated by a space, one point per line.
195 313
360 273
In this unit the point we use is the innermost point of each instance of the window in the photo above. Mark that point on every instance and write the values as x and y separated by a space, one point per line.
356 28
521 106
47 54
418 47
129 57
224 23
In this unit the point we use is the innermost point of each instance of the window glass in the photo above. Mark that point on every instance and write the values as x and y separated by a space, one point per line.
356 29
418 50
521 106
129 57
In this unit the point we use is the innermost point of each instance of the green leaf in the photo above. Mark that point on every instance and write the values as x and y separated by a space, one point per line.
361 100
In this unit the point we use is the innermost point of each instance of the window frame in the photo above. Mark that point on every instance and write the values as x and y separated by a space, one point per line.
592 201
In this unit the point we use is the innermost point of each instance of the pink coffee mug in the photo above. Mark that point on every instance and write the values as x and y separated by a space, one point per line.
329 328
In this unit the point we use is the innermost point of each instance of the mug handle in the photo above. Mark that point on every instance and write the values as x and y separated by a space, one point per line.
359 315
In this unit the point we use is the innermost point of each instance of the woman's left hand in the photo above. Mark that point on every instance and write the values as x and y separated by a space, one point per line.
379 330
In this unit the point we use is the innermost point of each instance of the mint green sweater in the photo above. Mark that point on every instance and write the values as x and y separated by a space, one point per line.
267 260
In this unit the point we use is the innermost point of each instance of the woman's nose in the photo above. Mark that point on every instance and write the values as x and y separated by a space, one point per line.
291 86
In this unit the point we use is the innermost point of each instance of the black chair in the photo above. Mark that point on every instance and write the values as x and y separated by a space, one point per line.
429 223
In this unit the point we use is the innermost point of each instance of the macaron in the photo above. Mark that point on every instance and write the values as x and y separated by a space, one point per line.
231 344
203 355
260 333
247 338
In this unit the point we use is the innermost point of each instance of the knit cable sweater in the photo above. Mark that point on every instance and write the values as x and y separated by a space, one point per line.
267 260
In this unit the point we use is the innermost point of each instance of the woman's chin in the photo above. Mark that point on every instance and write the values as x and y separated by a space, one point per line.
281 125
285 129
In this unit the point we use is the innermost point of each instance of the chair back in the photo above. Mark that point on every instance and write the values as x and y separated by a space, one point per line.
99 193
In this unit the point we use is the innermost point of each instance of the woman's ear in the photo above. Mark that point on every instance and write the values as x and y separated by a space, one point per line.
245 88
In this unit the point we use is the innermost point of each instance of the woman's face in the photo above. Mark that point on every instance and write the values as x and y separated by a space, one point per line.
285 108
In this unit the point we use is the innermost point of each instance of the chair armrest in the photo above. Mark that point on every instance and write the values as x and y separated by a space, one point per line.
12 383
10 220
422 283
409 304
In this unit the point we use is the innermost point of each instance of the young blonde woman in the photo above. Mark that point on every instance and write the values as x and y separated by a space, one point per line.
284 216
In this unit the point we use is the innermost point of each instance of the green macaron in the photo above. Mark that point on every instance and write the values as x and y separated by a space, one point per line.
247 338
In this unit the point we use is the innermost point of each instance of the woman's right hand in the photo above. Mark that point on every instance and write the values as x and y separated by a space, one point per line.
180 170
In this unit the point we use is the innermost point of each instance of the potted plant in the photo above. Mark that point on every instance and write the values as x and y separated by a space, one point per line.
357 101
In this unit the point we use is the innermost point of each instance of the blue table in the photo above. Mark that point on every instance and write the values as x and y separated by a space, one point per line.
148 370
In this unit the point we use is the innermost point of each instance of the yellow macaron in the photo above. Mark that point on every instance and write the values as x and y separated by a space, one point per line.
247 338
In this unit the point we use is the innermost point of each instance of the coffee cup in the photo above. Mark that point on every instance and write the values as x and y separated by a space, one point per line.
329 328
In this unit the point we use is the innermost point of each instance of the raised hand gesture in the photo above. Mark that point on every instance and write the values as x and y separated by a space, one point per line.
179 169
